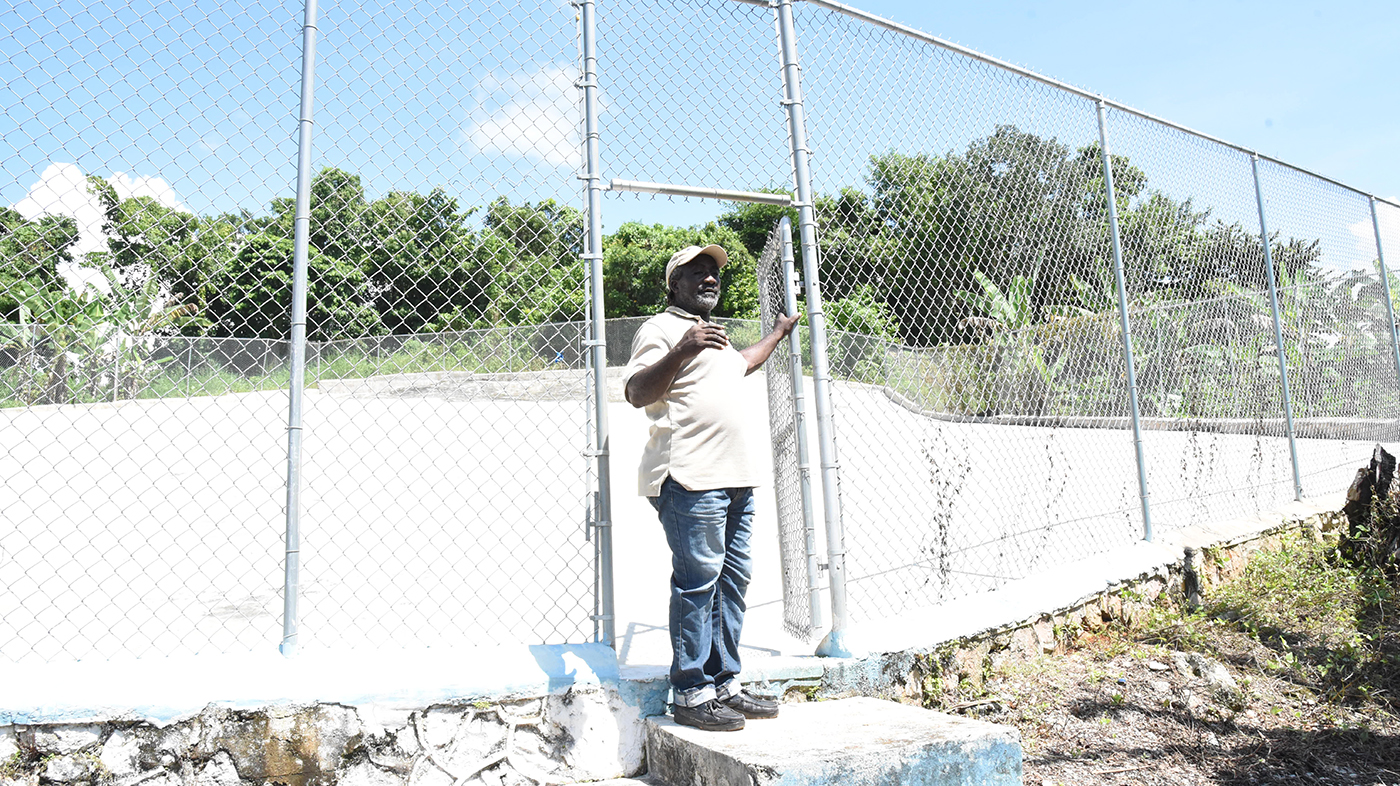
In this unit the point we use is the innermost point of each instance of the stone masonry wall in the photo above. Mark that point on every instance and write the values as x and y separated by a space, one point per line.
583 733
941 675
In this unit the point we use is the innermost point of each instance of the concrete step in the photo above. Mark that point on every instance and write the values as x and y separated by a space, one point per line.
849 742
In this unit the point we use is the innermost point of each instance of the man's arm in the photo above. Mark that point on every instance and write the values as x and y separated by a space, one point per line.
648 385
758 353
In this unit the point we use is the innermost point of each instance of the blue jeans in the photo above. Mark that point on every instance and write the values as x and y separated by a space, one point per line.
708 532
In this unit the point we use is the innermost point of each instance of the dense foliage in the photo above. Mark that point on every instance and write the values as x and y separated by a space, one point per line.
996 259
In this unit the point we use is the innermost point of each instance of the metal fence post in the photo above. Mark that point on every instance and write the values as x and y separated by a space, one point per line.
799 423
1278 332
834 644
1122 286
298 337
1385 279
597 343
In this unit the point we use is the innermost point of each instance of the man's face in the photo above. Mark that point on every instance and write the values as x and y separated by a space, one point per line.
696 285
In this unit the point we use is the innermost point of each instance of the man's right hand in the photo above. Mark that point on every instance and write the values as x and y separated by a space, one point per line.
703 336
648 385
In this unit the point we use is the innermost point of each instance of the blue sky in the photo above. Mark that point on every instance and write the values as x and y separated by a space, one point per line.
1312 83
195 100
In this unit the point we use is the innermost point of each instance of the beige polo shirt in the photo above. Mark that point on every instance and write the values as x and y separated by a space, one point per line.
698 433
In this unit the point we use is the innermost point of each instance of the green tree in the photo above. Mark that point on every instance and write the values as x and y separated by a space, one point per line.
530 255
1011 205
336 225
754 221
634 264
184 253
252 297
423 262
30 252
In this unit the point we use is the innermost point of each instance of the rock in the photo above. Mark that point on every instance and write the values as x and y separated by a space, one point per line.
218 771
121 753
149 778
66 739
1212 671
335 729
1188 700
1371 540
364 773
1182 665
1160 686
1044 635
1157 665
9 742
73 767
1222 686
387 752
437 726
432 775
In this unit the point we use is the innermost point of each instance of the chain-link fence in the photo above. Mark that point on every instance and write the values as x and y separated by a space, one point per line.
983 433
792 476
151 165
452 463
964 220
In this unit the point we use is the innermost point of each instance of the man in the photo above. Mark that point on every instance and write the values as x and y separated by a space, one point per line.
698 472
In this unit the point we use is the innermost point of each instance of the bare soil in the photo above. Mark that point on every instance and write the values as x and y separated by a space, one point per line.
1118 708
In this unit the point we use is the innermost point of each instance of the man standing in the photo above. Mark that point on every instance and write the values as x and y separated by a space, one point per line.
698 473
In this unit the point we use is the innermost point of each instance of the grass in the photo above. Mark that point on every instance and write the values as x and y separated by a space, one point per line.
1325 624
182 368
1066 367
1311 639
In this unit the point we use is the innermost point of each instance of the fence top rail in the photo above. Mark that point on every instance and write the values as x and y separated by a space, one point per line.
895 27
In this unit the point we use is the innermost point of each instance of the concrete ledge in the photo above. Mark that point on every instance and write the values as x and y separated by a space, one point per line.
851 742
1074 584
163 690
1378 429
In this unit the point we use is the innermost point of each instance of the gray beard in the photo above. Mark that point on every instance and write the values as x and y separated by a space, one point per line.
700 305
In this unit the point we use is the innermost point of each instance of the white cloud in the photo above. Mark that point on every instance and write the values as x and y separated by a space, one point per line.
62 191
1365 233
533 114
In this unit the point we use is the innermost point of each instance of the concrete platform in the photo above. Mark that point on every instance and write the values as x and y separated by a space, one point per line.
850 742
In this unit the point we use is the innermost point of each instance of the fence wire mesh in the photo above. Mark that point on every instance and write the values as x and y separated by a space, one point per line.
960 225
980 383
963 223
138 527
692 95
1337 335
795 529
446 487
149 157
1210 393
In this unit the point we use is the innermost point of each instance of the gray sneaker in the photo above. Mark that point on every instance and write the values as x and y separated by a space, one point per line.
710 716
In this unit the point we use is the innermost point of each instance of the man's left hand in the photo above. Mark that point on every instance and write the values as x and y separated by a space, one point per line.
784 324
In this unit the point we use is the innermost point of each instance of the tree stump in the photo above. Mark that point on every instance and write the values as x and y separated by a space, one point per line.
1373 514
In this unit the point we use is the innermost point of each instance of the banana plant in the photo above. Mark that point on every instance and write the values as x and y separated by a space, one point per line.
69 325
1009 310
89 330
1030 380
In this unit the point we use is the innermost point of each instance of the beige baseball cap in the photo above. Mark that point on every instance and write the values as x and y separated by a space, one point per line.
690 252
